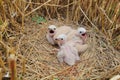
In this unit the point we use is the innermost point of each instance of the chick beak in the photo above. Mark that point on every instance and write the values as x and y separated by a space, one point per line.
51 31
84 34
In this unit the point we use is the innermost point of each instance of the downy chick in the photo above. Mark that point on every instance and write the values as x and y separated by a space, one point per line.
82 46
79 38
50 34
67 52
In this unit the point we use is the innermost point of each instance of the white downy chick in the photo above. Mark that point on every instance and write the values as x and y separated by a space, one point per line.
78 37
82 47
67 53
50 34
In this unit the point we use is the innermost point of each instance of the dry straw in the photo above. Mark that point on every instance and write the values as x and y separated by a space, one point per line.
35 58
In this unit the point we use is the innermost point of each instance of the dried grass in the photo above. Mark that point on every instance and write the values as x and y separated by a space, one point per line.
35 59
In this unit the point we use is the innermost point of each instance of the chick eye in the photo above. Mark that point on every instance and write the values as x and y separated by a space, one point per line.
54 28
61 38
80 31
56 39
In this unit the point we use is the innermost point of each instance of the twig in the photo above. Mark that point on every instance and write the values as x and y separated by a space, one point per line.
37 8
17 8
19 43
65 69
106 15
62 6
56 73
88 19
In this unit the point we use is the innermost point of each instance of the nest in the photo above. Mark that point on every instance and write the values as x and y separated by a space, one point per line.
35 58
37 61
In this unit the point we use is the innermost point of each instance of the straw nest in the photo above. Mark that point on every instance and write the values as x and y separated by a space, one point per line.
34 57
36 60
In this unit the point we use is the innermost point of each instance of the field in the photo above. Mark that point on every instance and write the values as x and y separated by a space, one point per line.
26 54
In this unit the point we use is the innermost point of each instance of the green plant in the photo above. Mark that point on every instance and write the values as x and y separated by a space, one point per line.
55 79
38 19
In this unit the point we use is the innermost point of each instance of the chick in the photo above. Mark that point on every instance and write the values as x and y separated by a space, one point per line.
67 53
79 38
82 47
50 34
